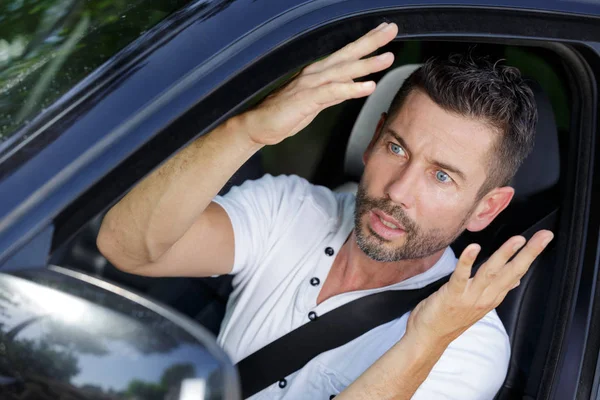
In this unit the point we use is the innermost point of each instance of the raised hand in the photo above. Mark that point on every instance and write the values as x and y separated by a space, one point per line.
318 86
461 302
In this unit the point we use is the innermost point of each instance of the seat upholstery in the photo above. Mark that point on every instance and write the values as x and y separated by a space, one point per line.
539 175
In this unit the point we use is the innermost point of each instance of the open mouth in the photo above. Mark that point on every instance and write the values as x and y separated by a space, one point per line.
388 224
385 226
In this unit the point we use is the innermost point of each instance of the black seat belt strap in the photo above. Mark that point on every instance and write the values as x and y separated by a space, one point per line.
294 350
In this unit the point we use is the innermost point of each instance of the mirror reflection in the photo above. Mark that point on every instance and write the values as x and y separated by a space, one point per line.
63 337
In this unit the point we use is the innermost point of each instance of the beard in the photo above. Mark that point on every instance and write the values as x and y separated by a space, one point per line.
419 243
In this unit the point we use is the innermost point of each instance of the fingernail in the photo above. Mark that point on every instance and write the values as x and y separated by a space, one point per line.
548 239
368 84
384 56
383 24
388 28
474 251
518 245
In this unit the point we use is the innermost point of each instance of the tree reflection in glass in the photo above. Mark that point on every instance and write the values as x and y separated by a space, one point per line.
54 343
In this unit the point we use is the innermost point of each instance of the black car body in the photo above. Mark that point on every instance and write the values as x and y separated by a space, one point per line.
66 157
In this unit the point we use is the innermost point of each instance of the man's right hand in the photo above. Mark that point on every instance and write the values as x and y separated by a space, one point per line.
320 85
168 226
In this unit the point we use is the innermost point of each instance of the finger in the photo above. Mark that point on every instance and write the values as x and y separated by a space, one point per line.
331 104
365 45
495 264
462 273
515 269
350 70
338 92
322 63
503 293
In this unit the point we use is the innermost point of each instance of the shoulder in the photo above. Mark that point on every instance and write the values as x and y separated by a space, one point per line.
279 183
293 192
291 186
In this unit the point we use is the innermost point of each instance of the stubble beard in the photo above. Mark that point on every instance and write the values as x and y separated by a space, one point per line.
418 242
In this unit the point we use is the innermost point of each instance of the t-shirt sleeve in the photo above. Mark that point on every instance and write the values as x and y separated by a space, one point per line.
473 367
255 208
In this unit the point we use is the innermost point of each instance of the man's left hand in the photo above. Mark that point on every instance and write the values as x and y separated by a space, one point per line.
461 302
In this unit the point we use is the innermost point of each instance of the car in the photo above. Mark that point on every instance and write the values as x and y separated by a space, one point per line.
95 95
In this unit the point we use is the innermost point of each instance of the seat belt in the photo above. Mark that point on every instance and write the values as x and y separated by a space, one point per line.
293 351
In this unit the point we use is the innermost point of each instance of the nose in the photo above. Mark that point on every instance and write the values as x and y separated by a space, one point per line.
403 188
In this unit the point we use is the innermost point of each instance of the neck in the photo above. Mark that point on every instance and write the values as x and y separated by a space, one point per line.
353 270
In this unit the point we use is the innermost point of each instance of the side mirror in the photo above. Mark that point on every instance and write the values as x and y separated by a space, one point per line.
67 334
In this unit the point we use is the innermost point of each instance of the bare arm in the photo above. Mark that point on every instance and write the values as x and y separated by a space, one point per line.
168 226
444 316
168 218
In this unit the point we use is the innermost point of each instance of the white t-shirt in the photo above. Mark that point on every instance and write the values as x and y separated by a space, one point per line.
282 228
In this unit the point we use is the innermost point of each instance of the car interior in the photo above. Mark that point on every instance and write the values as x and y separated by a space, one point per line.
328 152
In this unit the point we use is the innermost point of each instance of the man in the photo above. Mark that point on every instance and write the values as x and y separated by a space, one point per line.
438 163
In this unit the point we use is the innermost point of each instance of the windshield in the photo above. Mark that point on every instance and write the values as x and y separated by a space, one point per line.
48 46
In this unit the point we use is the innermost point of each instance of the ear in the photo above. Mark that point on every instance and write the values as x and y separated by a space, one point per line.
489 207
375 137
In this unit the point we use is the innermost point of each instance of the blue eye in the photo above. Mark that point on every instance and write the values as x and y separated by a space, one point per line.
396 149
442 177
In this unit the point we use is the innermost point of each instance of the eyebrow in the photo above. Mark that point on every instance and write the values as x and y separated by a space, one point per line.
439 164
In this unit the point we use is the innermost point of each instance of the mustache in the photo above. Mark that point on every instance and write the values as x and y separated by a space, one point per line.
393 210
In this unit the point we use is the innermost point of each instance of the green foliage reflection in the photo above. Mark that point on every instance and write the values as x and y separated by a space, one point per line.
48 46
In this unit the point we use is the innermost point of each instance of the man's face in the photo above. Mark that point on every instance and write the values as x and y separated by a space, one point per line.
422 175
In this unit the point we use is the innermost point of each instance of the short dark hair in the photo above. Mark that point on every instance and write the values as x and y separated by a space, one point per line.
473 86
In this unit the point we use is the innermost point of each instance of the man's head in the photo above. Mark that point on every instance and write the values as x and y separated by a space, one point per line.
441 160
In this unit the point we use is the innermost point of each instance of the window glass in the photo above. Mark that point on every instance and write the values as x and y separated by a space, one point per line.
48 46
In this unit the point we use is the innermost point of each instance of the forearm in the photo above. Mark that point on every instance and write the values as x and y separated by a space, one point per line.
164 205
398 373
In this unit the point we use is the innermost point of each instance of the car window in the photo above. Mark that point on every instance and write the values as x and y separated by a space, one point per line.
48 46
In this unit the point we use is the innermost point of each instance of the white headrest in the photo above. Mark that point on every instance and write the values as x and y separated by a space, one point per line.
366 123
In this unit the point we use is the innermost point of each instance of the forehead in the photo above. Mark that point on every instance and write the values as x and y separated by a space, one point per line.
434 134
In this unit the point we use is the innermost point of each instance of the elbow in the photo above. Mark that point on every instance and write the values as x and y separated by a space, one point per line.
103 243
108 245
